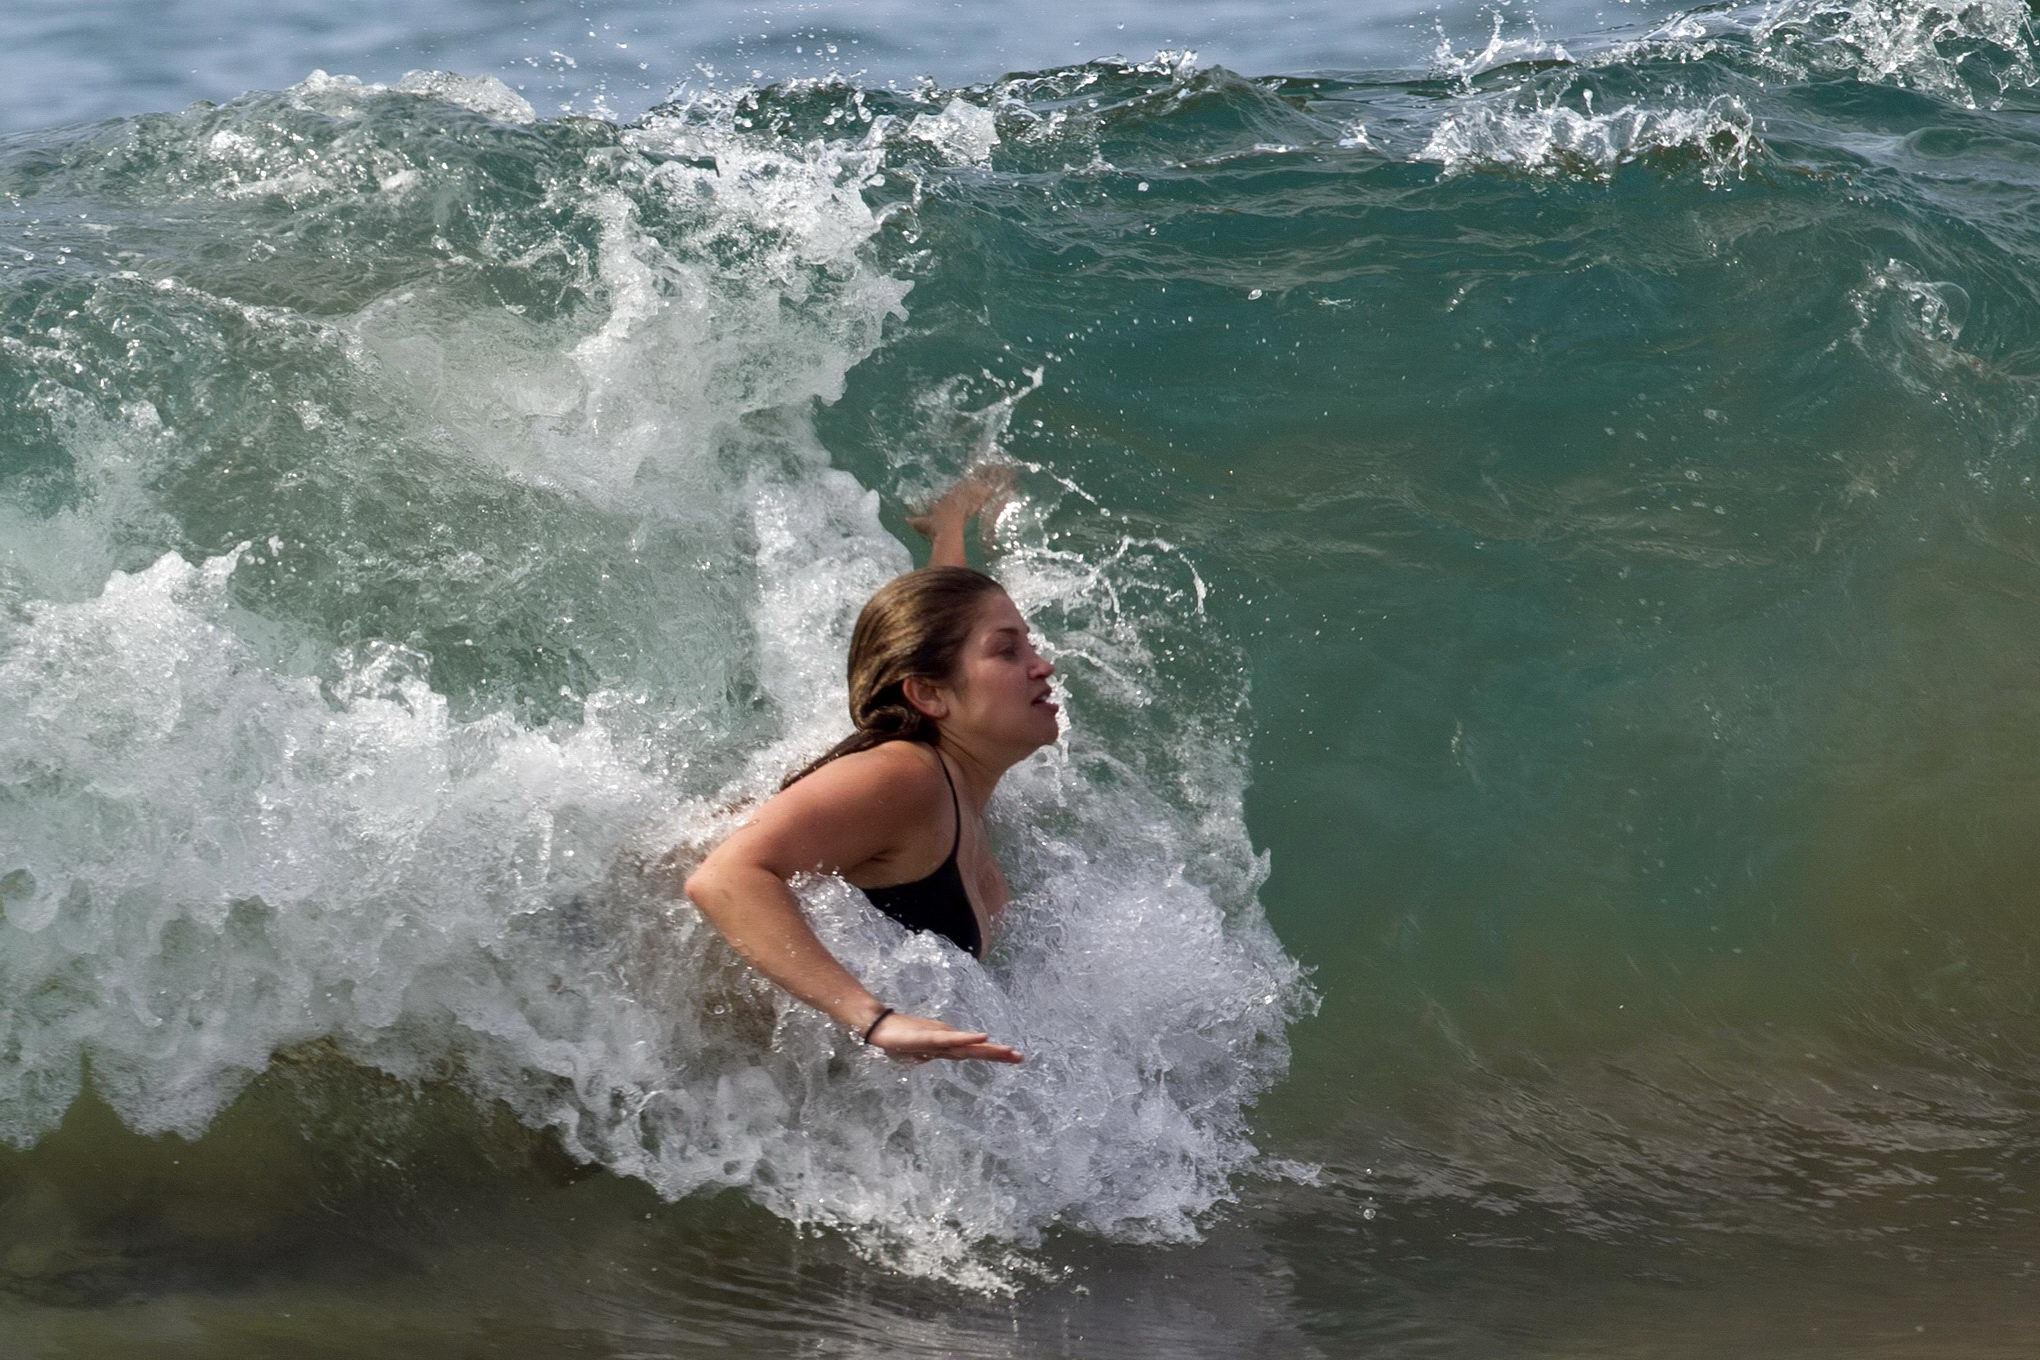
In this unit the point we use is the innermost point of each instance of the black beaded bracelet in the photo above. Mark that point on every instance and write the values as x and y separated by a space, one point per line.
874 1024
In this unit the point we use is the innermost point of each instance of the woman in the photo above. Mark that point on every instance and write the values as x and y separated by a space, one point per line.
947 694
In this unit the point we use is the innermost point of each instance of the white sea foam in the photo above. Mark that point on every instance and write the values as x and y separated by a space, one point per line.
1952 51
1500 50
69 553
341 95
251 161
219 858
224 836
482 94
1682 38
962 132
1912 324
1940 49
1546 136
1544 120
754 298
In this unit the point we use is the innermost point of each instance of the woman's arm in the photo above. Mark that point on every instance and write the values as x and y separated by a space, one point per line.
844 815
979 494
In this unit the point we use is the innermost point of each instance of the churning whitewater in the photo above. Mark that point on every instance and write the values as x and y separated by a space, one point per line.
419 517
387 590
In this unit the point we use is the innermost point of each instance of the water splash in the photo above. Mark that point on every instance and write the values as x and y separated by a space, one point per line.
1967 53
1545 136
534 569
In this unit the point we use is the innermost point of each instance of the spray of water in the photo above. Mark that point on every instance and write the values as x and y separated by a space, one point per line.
367 651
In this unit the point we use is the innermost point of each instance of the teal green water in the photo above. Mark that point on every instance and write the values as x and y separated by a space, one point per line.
1541 555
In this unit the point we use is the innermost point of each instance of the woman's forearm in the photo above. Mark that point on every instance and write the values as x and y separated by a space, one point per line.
979 495
947 549
758 914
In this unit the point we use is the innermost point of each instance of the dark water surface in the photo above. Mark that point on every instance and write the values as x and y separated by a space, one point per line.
1538 537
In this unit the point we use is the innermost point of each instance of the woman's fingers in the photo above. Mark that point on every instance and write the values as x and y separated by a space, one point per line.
979 1048
970 1052
954 1038
913 1038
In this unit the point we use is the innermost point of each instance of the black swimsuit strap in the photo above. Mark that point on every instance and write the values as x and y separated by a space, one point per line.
955 808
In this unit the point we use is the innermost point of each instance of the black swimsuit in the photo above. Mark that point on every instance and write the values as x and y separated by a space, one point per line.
938 902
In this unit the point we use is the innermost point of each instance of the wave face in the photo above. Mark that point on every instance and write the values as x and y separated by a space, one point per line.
1550 531
430 530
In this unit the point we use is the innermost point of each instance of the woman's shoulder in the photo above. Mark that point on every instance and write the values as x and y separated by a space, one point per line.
901 772
909 764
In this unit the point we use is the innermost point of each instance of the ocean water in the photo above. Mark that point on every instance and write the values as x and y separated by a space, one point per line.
1533 510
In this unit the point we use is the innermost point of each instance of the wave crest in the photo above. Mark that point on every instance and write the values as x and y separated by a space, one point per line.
534 566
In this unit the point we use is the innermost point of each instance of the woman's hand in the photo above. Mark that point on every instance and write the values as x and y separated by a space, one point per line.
915 1038
979 494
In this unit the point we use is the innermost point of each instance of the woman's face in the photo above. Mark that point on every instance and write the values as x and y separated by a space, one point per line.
1000 691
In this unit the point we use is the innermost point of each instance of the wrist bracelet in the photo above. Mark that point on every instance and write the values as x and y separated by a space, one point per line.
866 1039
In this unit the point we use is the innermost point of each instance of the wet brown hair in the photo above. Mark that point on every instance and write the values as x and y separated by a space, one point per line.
915 626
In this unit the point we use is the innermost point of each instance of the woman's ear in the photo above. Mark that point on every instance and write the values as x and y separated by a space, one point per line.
929 700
